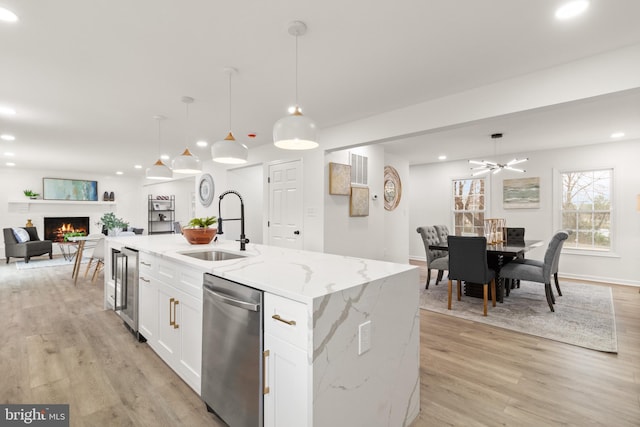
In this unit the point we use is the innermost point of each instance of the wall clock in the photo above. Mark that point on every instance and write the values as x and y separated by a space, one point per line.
392 188
206 190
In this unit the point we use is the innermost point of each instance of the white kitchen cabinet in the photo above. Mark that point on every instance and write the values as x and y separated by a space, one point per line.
147 300
171 314
286 396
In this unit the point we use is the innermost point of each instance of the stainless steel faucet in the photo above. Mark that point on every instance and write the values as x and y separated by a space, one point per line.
243 239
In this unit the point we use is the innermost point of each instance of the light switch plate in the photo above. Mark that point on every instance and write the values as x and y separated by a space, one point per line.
364 337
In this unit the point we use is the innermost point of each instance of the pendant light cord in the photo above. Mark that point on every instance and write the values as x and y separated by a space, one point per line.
296 71
159 149
186 130
230 72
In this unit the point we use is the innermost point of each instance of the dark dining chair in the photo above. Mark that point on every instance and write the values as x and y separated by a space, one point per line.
468 262
539 271
513 236
436 260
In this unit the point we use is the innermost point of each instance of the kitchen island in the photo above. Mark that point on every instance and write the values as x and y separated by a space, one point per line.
350 358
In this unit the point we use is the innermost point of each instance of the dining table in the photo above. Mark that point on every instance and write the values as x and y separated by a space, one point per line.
498 254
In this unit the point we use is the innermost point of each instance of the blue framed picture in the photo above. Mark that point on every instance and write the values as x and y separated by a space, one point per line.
69 189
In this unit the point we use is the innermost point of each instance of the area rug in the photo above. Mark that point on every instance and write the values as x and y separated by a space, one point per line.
45 262
583 315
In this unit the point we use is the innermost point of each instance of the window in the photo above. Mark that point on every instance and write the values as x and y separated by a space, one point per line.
468 206
586 209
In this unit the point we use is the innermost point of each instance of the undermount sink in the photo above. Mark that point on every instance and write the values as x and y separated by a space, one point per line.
213 255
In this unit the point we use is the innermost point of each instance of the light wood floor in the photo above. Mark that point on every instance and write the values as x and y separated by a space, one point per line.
58 346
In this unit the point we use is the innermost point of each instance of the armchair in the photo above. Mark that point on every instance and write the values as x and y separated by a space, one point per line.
33 247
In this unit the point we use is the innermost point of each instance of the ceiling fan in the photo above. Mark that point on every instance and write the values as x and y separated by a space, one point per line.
486 166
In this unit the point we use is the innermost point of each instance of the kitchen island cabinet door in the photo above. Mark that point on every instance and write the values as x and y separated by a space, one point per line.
179 341
148 309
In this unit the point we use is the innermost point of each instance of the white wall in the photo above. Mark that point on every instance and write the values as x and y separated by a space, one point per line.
248 181
130 204
431 202
355 236
396 222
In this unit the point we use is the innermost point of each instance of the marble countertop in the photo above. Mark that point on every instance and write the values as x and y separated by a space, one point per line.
295 274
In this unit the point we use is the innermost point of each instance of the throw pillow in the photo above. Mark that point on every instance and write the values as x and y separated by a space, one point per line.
21 235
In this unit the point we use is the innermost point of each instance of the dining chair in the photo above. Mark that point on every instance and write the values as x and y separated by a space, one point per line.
540 271
442 231
436 260
468 262
514 236
98 256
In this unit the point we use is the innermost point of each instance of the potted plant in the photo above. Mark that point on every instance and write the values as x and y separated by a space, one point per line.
199 230
112 223
30 194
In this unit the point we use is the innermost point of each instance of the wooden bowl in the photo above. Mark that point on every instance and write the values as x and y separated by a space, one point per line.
199 236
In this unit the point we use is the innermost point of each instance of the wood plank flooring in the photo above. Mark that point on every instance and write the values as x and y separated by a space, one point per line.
59 346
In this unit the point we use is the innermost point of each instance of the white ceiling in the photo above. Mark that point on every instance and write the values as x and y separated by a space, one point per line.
86 77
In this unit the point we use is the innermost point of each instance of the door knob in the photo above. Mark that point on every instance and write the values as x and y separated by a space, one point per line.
296 232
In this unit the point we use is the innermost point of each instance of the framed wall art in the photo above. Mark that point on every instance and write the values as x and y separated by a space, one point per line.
521 193
359 203
339 179
69 189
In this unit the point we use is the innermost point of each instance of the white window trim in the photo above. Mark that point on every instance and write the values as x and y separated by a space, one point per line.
487 199
557 211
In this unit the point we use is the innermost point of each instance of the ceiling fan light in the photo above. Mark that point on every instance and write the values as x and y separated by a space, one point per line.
229 151
295 132
186 163
159 171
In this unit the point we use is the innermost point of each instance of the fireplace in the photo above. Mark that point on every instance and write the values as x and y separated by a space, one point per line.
56 227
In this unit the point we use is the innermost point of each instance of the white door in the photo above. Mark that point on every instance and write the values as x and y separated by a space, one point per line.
285 204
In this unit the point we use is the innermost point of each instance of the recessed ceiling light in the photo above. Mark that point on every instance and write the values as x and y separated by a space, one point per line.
7 137
7 16
10 164
443 157
571 9
164 157
202 143
617 135
119 173
7 111
137 166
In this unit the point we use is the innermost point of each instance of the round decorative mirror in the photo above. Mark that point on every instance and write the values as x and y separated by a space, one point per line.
392 188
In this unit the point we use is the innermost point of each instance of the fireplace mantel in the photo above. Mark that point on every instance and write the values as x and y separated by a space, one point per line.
26 203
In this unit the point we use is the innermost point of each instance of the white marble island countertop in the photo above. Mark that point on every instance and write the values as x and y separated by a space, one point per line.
299 275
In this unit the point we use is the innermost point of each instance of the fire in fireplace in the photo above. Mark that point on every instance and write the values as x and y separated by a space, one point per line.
56 227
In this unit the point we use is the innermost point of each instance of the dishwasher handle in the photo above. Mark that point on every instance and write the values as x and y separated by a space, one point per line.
233 301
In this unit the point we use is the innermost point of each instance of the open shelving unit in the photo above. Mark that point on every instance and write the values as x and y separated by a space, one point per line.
161 214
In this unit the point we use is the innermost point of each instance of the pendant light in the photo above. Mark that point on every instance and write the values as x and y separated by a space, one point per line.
295 132
187 162
486 166
159 170
229 150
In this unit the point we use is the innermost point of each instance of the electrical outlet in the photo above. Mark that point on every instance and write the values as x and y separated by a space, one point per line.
364 337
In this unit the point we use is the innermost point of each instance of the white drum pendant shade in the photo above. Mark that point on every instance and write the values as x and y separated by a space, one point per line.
229 151
295 132
159 171
187 163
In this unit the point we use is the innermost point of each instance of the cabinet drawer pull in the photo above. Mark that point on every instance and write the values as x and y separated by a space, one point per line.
265 387
280 319
145 264
145 280
171 322
175 322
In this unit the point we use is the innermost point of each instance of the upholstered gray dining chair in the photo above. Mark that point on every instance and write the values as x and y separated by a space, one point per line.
539 271
468 262
436 260
442 231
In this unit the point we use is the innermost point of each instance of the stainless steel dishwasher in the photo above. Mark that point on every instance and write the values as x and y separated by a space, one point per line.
232 340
